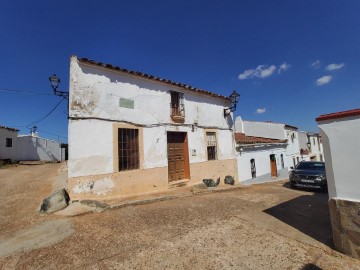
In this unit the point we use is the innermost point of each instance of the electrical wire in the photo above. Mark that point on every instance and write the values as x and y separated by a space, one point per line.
24 92
53 109
45 132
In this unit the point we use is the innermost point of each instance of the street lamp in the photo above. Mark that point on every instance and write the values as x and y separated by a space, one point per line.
55 81
234 97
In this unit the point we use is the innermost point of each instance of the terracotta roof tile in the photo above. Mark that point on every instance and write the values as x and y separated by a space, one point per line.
337 115
151 77
241 138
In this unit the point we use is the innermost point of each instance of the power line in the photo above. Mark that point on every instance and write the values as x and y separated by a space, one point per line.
40 131
24 92
53 109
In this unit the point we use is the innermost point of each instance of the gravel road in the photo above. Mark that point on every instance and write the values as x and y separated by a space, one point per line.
267 226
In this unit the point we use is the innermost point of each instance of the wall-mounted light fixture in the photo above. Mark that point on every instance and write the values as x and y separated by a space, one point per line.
234 101
55 81
308 145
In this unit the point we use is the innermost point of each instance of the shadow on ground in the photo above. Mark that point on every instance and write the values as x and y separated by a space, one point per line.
308 214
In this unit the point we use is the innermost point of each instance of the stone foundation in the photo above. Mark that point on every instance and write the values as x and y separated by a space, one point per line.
345 221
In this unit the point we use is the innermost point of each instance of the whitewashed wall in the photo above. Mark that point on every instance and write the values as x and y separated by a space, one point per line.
260 129
35 148
8 152
341 149
293 148
262 160
95 93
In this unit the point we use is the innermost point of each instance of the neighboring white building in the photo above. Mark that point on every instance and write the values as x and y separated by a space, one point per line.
132 133
340 133
260 159
293 155
8 137
311 148
316 148
30 147
304 145
277 131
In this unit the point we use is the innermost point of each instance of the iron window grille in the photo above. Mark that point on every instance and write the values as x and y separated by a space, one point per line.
128 149
211 145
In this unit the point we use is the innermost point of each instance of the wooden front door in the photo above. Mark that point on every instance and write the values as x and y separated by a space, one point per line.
273 166
178 157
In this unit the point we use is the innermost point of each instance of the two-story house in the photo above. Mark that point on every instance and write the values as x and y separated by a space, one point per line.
132 133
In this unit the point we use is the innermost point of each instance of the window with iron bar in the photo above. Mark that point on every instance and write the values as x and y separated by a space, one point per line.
128 149
211 145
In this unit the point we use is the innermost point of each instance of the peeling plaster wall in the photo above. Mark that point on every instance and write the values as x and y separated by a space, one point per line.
95 92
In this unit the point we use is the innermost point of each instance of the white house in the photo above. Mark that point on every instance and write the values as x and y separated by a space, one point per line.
293 155
8 137
261 151
304 145
132 133
30 147
340 134
316 148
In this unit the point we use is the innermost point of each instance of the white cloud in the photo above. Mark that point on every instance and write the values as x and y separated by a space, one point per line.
323 80
265 71
261 110
247 74
315 64
334 66
261 71
283 67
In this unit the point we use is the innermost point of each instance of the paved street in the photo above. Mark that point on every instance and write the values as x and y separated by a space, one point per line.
267 226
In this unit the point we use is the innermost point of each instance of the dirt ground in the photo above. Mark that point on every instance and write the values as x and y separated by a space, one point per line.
267 226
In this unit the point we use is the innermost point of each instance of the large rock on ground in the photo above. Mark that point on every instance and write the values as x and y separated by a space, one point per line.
55 202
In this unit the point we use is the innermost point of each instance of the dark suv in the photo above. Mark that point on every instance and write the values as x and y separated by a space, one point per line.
309 174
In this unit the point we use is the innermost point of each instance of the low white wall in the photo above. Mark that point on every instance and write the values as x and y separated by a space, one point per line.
261 155
341 149
35 148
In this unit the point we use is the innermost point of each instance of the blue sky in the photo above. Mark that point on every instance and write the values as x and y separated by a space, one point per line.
290 60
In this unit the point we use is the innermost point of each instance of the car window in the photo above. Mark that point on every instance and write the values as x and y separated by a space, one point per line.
310 166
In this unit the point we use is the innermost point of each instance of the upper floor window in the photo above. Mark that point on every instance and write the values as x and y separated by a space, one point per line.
211 145
8 142
177 104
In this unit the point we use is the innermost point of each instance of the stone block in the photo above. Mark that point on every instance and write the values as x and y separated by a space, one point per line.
55 202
